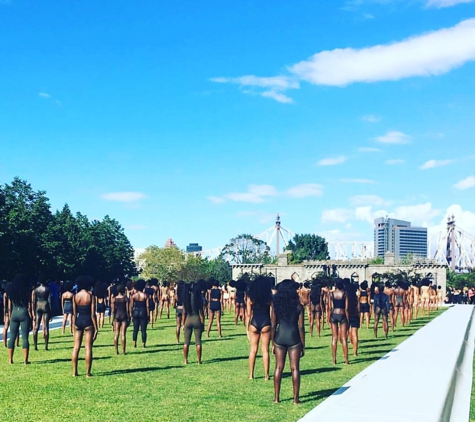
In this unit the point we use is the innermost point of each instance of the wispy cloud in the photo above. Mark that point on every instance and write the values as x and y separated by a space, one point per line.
44 95
423 55
435 163
395 161
255 194
366 200
123 196
439 4
371 118
363 181
468 182
304 190
216 199
369 149
337 215
331 161
394 137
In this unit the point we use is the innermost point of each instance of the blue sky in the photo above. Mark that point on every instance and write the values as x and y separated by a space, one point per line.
199 121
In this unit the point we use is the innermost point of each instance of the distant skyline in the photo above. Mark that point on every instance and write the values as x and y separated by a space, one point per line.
202 121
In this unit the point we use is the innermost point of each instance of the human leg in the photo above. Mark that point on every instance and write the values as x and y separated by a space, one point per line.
254 338
280 353
294 359
265 341
343 333
334 328
78 334
89 336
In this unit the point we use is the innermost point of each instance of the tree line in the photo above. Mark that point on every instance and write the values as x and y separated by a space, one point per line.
59 245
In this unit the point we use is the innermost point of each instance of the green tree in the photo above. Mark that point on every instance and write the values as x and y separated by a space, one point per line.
246 249
220 270
307 247
165 264
195 268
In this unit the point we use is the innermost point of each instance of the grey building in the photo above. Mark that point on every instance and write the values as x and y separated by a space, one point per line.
194 247
399 237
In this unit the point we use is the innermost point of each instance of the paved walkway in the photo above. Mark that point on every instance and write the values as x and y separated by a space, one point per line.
53 325
427 378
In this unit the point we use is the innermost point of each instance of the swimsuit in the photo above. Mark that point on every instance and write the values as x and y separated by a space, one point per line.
151 302
260 317
215 304
336 317
120 310
287 330
83 317
193 323
101 307
42 305
68 307
240 297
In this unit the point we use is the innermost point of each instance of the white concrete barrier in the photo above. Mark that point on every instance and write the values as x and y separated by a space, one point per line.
427 378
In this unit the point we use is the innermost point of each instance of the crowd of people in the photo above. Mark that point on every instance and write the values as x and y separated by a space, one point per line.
274 315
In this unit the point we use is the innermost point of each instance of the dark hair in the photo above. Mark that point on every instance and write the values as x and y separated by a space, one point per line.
352 300
84 282
339 284
68 286
192 301
260 291
18 290
316 292
364 284
286 300
121 289
100 290
140 285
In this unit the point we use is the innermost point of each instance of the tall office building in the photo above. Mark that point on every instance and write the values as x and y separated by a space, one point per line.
193 248
399 237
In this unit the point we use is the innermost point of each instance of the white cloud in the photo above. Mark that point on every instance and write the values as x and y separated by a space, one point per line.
466 183
418 215
44 95
439 4
395 161
363 181
394 137
304 190
367 200
123 196
435 163
255 194
371 118
281 98
367 214
331 161
216 199
430 54
337 215
368 149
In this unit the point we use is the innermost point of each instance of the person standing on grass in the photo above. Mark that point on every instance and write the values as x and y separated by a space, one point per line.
339 320
100 294
193 317
140 312
240 302
85 323
364 298
316 307
259 304
382 306
6 318
67 306
21 315
353 315
150 292
42 311
179 310
288 335
215 303
121 310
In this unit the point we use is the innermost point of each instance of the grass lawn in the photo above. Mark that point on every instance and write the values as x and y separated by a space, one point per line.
153 384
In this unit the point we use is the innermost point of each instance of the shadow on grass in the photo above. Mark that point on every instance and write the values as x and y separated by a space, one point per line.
318 370
136 370
59 360
228 359
316 395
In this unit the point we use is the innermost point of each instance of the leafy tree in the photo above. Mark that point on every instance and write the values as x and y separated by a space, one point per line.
195 268
246 249
220 270
165 264
307 247
379 260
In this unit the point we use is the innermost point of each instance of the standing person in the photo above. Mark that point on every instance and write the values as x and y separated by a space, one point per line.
6 318
100 294
21 315
150 292
288 335
400 303
85 323
121 310
259 304
67 306
140 312
415 286
364 297
304 295
179 310
42 311
382 306
353 315
193 318
164 299
240 302
316 307
215 302
339 320
389 291
425 297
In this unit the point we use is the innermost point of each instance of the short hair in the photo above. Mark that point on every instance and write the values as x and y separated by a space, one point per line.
121 289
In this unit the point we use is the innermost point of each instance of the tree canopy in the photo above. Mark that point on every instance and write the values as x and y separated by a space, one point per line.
307 247
246 249
36 242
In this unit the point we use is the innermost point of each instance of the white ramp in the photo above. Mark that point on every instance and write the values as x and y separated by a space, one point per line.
427 378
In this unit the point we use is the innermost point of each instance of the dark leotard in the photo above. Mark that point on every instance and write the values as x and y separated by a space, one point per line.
68 307
287 330
120 310
193 323
215 303
335 317
83 317
260 316
101 306
140 320
42 304
19 320
151 301
240 297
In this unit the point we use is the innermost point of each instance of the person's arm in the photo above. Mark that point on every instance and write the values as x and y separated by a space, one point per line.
112 306
131 307
248 312
273 319
346 307
302 329
73 316
147 304
93 316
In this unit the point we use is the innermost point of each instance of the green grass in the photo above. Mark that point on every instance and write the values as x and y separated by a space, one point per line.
152 383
